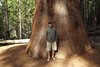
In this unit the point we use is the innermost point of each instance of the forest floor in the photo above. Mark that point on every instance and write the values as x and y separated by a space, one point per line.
15 56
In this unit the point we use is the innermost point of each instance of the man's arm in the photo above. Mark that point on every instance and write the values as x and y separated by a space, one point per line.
56 34
46 34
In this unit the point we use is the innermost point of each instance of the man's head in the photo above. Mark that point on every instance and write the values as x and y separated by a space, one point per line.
50 24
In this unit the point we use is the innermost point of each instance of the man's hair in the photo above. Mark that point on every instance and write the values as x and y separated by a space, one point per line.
50 22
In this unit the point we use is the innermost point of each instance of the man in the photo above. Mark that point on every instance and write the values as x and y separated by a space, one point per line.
51 37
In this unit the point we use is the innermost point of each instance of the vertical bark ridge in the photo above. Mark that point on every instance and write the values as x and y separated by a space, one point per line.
67 20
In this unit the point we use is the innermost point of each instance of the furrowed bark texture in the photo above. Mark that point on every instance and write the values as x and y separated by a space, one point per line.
65 15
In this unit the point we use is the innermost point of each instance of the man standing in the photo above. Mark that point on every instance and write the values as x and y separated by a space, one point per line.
51 37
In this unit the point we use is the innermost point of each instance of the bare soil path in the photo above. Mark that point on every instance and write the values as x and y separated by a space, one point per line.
15 56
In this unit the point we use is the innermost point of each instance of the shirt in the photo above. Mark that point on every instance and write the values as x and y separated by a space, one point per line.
51 34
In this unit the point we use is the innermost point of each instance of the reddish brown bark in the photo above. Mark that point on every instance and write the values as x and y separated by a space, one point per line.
65 15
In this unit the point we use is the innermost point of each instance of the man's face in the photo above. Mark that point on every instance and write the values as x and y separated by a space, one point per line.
50 25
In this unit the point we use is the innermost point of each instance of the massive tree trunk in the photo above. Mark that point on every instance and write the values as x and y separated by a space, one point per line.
65 15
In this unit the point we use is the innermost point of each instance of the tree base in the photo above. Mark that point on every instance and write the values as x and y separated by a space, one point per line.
17 57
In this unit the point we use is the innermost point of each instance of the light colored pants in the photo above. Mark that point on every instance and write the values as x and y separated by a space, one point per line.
51 46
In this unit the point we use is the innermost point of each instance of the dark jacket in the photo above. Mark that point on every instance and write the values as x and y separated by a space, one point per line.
51 34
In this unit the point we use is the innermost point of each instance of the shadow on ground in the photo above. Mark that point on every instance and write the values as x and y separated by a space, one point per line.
16 57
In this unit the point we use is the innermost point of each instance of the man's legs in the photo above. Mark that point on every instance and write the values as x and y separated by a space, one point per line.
48 54
48 48
54 48
53 54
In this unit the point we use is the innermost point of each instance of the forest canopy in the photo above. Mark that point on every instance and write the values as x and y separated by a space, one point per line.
16 17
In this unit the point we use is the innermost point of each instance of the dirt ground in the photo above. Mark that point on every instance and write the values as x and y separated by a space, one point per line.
15 56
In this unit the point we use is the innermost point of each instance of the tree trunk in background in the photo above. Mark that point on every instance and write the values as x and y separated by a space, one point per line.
65 15
19 19
6 21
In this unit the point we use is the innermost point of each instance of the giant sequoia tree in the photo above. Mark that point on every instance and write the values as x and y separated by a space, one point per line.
65 15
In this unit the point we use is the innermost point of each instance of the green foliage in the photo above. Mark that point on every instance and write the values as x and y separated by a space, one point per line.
26 8
1 21
90 9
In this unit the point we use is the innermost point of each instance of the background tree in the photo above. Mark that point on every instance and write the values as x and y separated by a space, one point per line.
90 11
5 20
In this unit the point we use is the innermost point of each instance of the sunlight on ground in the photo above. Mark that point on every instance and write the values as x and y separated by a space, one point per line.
15 41
75 61
16 57
9 46
61 56
78 62
7 59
